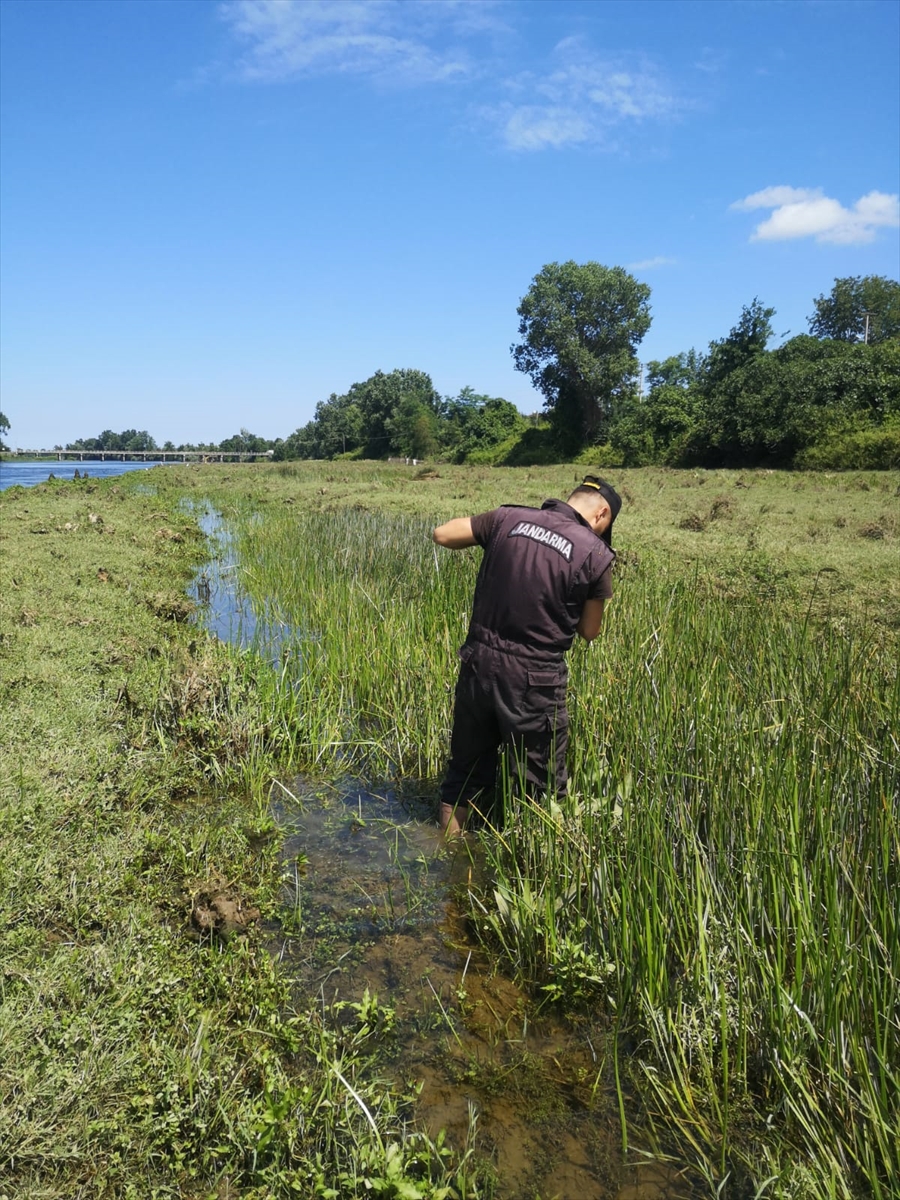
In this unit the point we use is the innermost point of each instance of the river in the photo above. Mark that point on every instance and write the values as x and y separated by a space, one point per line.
27 474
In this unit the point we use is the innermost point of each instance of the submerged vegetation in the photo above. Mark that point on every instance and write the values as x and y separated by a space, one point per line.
719 887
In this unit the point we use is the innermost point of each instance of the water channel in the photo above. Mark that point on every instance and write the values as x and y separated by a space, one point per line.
376 911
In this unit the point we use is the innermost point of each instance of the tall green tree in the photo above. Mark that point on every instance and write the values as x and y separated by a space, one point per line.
747 339
128 439
245 442
580 326
4 428
842 313
781 402
413 427
379 396
653 428
473 422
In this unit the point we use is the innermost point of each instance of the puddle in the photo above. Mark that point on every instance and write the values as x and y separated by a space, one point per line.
225 607
371 894
371 912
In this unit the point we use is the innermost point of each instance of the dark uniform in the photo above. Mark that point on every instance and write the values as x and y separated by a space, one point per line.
539 568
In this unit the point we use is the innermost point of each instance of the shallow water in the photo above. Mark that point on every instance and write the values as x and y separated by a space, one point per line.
225 607
373 896
374 908
28 474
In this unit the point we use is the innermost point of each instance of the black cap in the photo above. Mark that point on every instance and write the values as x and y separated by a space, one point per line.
612 498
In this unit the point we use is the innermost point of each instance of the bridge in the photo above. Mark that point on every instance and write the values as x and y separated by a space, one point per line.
156 456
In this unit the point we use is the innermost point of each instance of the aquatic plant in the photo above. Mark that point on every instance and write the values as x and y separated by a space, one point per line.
722 878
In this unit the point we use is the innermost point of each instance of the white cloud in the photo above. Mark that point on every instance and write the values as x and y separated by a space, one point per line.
579 99
536 127
582 99
286 39
649 264
808 212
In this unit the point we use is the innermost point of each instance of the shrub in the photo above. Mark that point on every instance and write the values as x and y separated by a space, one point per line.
601 456
866 450
536 447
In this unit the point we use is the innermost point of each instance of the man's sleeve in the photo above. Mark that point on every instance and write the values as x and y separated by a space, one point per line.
482 526
600 587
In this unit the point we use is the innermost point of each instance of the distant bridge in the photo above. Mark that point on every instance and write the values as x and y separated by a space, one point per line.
159 456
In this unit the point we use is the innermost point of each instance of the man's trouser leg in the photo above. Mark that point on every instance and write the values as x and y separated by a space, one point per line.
537 761
472 770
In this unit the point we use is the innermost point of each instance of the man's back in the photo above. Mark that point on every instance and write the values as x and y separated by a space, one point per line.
540 566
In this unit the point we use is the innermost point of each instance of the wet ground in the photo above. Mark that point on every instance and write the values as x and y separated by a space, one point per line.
377 913
375 919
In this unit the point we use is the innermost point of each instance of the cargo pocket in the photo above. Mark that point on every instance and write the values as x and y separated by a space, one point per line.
465 652
543 679
546 697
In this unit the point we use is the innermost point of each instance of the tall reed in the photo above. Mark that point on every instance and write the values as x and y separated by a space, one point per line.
723 876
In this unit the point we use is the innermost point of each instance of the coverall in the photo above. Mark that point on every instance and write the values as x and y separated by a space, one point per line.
539 568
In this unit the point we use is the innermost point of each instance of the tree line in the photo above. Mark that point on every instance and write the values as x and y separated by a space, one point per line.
140 440
401 413
827 398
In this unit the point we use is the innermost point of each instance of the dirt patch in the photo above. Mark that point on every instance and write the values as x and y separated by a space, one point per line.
171 606
168 535
218 910
693 521
872 531
721 507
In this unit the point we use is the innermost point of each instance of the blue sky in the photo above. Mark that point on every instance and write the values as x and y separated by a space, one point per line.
216 214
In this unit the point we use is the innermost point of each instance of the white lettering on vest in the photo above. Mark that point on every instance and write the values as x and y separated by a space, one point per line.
547 537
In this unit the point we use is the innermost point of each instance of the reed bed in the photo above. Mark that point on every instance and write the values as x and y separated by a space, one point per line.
722 879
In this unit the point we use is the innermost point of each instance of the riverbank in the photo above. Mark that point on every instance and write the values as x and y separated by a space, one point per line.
149 1043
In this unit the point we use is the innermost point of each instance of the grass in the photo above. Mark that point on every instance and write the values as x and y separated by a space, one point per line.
139 1057
722 880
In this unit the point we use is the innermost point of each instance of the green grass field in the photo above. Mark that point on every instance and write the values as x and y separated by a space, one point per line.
720 885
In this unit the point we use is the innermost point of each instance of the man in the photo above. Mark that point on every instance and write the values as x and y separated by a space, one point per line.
545 576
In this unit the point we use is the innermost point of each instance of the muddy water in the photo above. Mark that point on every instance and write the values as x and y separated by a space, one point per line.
374 899
374 907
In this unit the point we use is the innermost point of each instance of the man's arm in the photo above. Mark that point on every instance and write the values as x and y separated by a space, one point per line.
456 534
591 619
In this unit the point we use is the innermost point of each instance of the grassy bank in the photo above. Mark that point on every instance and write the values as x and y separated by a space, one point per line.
150 1046
721 883
723 879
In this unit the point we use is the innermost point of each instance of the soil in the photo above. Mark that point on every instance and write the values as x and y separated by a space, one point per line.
218 910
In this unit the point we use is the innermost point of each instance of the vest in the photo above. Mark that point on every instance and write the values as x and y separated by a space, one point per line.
539 568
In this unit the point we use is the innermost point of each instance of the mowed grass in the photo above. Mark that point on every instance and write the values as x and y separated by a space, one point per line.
140 1057
723 879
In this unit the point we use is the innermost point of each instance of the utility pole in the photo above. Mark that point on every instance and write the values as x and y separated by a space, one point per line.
866 338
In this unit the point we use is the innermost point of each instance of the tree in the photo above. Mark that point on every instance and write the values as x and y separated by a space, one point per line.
581 325
412 427
784 401
842 313
378 398
473 422
653 428
4 428
747 339
245 442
